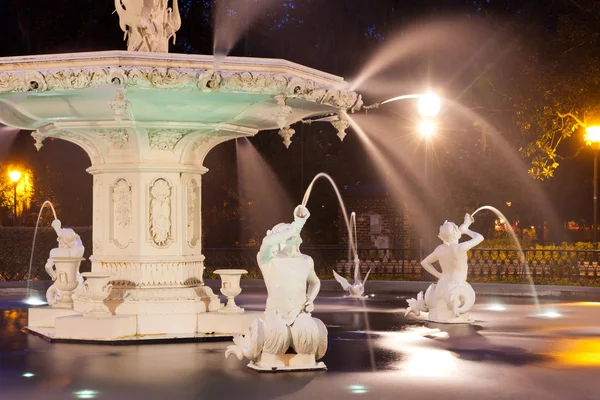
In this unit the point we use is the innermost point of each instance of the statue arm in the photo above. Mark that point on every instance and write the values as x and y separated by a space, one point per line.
314 286
476 238
427 263
272 240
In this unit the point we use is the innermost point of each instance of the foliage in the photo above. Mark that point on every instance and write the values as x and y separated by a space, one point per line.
24 189
16 251
555 96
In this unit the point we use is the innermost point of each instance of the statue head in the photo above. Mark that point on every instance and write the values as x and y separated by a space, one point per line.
449 233
289 247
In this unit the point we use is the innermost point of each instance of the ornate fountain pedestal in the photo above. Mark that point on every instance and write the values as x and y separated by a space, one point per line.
147 122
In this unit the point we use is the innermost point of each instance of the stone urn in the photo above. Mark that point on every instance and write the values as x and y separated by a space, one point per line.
230 287
66 279
96 291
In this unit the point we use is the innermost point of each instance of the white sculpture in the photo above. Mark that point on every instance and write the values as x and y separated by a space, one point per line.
148 24
288 323
357 289
450 300
63 266
230 287
96 290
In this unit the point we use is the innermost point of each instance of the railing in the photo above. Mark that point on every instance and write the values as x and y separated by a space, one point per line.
567 267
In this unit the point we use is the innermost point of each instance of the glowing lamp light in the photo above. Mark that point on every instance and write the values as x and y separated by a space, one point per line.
429 105
15 176
592 135
28 375
427 128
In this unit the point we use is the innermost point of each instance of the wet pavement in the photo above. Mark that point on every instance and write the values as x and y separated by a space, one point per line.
374 353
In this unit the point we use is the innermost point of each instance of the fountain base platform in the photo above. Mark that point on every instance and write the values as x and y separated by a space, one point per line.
57 325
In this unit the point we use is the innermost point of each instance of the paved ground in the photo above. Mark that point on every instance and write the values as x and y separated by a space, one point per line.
374 353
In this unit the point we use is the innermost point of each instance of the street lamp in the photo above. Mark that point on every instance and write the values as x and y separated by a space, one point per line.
427 128
592 139
15 177
429 105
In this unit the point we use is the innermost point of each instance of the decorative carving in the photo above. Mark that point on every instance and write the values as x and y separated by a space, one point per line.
116 137
39 140
154 274
178 79
160 212
165 139
341 124
282 112
119 104
121 197
193 212
286 133
81 141
253 82
148 25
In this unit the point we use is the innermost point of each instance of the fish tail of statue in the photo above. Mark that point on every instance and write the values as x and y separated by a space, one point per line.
462 298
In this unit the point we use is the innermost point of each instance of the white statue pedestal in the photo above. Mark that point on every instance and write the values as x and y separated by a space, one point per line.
286 362
230 287
82 327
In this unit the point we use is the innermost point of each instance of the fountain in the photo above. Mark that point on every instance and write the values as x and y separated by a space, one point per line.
450 300
147 121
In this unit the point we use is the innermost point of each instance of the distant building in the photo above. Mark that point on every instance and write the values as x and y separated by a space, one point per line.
382 221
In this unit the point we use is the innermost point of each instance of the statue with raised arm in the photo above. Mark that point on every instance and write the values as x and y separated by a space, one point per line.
69 252
288 338
450 300
148 24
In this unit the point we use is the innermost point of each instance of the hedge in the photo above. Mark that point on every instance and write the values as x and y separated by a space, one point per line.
15 251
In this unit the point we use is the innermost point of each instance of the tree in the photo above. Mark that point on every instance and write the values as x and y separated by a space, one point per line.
560 84
22 193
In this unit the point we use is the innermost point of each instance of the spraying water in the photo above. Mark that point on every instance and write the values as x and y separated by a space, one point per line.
259 186
233 19
519 248
352 250
35 300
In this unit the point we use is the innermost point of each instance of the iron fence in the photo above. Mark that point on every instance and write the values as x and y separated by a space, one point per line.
545 266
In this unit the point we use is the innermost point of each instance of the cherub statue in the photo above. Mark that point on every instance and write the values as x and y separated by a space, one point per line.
69 246
450 300
288 323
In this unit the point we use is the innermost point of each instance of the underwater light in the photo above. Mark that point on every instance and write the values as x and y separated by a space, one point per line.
35 301
85 394
28 375
496 307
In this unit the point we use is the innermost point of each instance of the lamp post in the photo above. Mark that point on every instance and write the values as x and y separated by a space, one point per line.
15 177
592 139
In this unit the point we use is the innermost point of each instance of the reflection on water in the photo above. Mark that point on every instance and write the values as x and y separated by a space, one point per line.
11 337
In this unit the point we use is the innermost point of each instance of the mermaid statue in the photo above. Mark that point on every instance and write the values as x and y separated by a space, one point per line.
288 338
450 300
